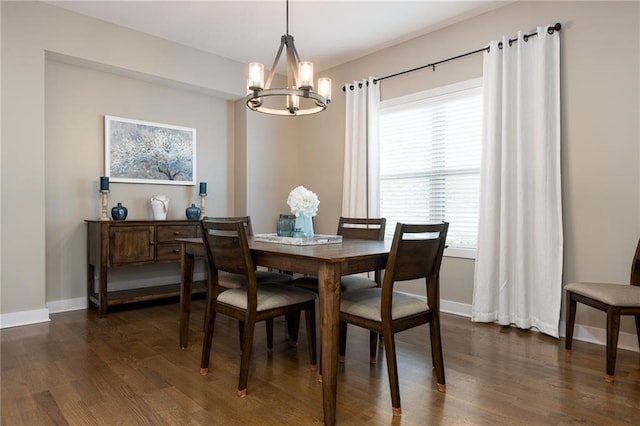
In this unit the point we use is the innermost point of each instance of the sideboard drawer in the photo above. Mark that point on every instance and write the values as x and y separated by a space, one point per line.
171 232
168 252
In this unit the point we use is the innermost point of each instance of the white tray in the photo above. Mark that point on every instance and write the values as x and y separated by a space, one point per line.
315 240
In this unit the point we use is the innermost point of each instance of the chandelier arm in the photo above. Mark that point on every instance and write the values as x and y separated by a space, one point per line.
272 72
292 65
295 52
296 61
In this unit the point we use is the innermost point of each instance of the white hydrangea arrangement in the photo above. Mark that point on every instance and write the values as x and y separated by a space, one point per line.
303 201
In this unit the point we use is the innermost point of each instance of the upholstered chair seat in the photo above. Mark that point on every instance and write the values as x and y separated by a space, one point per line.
613 299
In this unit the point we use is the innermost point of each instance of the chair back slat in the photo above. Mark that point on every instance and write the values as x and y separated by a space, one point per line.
246 220
416 252
416 259
362 228
635 268
227 246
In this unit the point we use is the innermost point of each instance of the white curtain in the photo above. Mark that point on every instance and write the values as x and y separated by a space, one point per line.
361 188
518 275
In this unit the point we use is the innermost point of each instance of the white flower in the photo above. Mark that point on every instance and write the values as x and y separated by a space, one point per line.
303 201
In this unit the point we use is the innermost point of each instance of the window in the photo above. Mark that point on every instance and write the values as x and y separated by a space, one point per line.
430 161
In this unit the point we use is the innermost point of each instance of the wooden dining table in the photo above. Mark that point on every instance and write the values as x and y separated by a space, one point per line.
326 261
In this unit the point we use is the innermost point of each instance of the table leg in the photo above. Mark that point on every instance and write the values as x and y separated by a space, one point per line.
329 288
186 285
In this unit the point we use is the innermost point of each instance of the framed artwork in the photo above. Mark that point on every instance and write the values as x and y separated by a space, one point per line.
138 151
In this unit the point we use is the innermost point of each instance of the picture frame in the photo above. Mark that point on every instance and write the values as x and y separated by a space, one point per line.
137 151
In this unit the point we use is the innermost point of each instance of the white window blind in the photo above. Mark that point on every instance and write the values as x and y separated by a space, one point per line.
430 160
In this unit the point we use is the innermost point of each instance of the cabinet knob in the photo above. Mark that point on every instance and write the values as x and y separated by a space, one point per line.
176 233
176 250
152 243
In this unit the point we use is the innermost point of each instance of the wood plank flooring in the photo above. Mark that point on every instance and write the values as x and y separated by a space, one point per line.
127 368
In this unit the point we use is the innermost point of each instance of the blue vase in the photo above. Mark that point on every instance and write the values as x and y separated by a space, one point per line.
303 227
193 212
119 212
286 225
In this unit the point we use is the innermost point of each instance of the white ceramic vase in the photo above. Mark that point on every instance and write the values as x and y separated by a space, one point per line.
159 207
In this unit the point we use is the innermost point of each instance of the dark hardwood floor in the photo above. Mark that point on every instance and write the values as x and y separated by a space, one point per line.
127 369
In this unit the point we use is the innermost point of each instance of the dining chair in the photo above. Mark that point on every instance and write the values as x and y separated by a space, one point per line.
615 300
237 280
227 250
416 253
362 229
354 228
229 280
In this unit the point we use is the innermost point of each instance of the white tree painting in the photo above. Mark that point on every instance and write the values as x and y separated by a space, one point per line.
144 152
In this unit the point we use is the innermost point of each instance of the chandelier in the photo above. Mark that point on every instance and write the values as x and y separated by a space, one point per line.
298 98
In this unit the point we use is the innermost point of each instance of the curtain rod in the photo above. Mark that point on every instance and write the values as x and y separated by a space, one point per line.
550 30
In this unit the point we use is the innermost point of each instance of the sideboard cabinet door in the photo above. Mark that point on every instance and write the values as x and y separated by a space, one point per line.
131 244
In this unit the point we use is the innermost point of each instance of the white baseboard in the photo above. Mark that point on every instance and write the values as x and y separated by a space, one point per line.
585 333
15 319
456 308
66 305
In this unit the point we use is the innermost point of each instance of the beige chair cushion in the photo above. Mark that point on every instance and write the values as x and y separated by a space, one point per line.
611 294
228 280
347 283
365 303
309 282
270 296
356 282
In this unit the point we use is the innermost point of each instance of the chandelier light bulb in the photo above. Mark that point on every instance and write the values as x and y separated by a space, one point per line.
293 103
324 87
256 76
305 74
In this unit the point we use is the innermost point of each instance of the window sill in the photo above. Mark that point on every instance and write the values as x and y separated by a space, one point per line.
460 253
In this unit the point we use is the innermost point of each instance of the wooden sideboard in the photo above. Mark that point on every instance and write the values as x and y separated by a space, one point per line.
112 244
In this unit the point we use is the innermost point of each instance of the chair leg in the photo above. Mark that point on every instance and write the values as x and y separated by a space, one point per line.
638 328
247 345
241 332
343 341
373 346
436 353
269 326
613 328
310 321
392 369
208 338
570 322
293 327
209 298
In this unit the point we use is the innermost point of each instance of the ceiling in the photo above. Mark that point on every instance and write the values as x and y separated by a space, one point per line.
327 32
